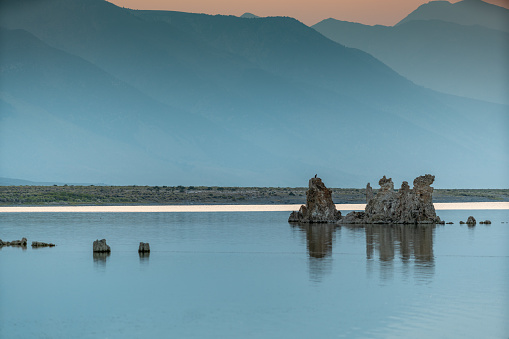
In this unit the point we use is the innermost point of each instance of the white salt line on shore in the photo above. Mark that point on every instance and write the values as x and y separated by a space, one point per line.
501 205
233 208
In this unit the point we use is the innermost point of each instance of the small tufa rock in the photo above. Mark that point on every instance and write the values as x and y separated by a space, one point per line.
485 222
450 223
462 222
144 247
42 244
319 207
471 220
100 246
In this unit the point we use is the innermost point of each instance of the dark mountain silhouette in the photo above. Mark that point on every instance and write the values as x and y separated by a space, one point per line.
466 12
121 96
249 15
469 61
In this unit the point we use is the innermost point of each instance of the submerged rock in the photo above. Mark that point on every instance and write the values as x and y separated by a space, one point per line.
42 244
144 247
319 207
100 246
471 220
407 206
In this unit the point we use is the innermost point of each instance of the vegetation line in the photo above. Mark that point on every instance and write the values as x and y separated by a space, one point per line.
204 195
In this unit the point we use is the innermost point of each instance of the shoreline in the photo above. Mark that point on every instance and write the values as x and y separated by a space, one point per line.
228 208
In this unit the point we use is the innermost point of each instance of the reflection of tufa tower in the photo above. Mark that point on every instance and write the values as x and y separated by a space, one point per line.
319 239
414 241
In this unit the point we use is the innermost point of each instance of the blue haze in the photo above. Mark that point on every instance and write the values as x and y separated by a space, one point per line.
91 92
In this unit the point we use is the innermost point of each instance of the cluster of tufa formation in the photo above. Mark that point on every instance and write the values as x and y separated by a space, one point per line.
471 221
319 207
406 206
20 243
23 243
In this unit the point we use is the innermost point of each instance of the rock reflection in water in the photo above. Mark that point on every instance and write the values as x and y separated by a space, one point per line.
414 242
100 258
144 256
319 238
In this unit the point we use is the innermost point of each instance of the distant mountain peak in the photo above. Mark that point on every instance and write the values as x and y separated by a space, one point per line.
249 16
466 12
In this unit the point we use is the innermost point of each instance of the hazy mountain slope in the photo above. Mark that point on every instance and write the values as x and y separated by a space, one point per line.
468 61
466 12
171 65
193 60
129 97
156 58
352 85
288 48
73 119
57 81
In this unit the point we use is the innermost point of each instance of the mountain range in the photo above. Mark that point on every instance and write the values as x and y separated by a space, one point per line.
21 182
91 92
465 12
459 48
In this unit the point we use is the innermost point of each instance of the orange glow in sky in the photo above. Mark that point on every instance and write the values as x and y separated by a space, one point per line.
370 12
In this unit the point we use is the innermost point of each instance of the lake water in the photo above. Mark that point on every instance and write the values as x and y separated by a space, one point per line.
253 275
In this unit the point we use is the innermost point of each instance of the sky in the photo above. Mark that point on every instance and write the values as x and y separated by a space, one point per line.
369 12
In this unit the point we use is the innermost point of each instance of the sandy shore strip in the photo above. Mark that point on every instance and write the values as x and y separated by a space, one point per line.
232 208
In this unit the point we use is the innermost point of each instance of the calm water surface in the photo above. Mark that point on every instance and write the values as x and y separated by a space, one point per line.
253 275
